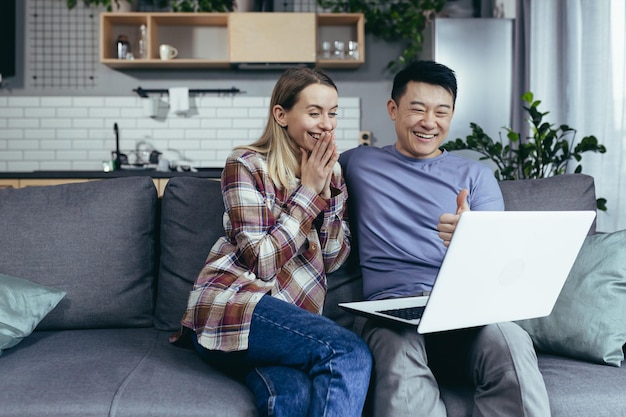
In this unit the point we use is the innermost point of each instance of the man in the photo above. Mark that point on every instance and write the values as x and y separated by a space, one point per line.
406 199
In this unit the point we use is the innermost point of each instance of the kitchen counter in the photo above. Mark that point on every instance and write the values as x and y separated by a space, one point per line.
48 178
202 173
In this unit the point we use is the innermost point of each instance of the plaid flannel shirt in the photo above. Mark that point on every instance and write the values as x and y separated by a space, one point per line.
275 243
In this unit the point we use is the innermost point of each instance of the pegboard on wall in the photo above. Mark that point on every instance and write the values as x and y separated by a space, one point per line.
63 45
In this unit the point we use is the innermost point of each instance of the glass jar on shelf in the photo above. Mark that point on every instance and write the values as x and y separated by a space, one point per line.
142 52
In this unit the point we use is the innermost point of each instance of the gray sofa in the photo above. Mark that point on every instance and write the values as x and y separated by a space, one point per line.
126 261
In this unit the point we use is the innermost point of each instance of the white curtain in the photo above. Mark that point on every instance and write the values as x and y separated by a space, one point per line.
577 70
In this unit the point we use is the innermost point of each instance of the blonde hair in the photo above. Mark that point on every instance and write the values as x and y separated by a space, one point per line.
281 153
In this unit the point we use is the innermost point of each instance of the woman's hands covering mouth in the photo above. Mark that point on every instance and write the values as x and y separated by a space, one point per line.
316 167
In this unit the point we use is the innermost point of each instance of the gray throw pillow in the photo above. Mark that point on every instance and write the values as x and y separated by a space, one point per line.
23 304
589 319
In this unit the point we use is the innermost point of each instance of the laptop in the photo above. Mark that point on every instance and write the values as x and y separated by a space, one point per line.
500 266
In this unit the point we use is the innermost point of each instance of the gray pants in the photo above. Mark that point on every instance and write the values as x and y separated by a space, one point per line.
498 359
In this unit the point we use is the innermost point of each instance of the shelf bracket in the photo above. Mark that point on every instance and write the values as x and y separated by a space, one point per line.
144 92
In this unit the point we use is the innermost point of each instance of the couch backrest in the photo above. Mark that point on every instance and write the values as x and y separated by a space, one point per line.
95 240
192 211
562 192
191 222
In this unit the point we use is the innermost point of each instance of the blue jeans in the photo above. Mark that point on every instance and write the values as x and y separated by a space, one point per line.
298 363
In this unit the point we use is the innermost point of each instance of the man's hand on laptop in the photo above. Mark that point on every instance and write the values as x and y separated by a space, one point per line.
448 221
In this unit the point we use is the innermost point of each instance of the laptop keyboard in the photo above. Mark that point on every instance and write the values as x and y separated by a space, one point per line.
408 313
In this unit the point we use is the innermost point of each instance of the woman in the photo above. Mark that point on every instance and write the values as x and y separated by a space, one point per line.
255 307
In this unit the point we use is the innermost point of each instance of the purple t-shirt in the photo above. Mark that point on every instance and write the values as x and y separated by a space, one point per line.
395 203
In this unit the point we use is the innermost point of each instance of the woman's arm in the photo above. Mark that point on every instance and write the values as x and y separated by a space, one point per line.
334 232
265 242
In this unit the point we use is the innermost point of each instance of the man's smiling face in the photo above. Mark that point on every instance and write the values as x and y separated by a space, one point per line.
422 119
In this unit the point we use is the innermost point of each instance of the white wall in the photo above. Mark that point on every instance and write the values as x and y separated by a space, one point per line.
76 133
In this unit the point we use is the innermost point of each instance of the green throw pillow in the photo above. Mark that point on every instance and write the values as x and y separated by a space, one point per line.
589 318
23 304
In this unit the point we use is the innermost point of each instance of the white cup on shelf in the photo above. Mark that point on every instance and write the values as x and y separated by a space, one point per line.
167 52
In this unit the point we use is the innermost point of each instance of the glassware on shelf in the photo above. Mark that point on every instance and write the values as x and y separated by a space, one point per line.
122 46
339 50
141 43
325 51
353 50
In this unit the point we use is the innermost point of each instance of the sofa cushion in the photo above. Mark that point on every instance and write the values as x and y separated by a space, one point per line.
561 192
114 372
192 210
589 318
582 389
344 285
23 304
94 240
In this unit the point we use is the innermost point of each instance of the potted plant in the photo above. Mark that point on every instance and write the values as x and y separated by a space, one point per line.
548 151
111 5
397 21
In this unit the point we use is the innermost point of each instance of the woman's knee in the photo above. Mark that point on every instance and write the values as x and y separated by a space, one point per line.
348 347
280 391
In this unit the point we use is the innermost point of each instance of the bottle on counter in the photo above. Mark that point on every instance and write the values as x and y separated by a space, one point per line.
141 43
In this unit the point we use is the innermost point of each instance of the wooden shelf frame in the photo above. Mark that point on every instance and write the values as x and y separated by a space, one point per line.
212 40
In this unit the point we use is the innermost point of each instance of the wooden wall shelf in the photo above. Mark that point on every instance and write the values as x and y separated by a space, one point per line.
224 40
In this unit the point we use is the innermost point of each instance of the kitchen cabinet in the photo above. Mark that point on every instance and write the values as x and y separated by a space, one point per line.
9 183
223 40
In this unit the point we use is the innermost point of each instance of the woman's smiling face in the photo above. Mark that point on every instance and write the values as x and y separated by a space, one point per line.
422 119
315 112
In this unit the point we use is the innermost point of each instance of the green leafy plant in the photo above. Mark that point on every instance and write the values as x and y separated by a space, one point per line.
397 21
202 5
547 151
108 3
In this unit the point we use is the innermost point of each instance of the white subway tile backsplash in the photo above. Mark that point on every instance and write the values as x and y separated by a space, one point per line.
56 102
23 145
233 134
11 134
234 113
88 123
76 133
56 123
12 112
39 155
22 102
216 123
36 135
55 145
88 101
22 166
98 112
349 102
72 112
11 156
73 133
40 112
72 155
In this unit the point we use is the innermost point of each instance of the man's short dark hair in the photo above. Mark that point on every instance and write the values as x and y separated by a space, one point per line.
429 72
